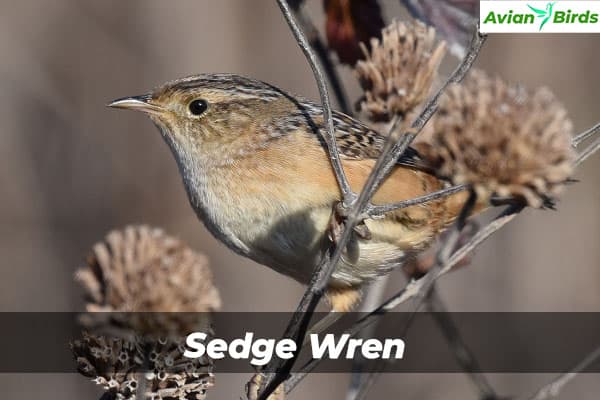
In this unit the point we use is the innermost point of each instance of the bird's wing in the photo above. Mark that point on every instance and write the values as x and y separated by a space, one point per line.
355 140
540 13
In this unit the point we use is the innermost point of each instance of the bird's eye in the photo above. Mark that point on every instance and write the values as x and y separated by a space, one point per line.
198 106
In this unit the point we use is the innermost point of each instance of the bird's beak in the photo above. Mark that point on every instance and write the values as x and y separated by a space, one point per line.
137 103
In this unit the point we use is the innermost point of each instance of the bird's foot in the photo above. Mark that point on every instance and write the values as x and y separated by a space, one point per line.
337 223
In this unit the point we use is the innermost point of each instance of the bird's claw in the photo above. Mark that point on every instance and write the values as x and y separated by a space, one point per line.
337 223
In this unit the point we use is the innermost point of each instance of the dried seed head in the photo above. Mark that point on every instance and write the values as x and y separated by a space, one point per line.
399 71
141 282
502 139
142 269
152 284
118 371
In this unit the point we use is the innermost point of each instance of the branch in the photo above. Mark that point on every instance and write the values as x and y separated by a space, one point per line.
323 53
334 156
585 135
462 353
553 388
586 153
378 211
373 297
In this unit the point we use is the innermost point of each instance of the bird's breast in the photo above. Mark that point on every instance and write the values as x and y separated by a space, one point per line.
275 206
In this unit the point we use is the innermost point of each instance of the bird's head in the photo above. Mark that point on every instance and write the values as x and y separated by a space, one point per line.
208 111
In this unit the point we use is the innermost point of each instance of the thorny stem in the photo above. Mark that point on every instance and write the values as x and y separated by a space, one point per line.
319 47
334 155
553 388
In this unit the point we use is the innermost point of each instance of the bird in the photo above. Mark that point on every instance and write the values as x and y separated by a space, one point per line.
254 162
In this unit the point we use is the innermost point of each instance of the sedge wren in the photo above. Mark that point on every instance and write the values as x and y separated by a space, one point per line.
257 173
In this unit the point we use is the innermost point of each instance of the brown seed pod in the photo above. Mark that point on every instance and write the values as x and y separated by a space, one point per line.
399 70
502 139
142 269
145 289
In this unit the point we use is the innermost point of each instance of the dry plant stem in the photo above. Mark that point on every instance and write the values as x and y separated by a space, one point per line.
322 324
552 389
373 297
323 53
140 393
461 352
297 327
414 287
348 195
583 136
141 389
377 211
585 154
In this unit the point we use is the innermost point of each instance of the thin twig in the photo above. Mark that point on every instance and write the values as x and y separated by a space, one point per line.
583 136
334 156
585 154
553 388
461 352
319 47
377 211
372 299
296 329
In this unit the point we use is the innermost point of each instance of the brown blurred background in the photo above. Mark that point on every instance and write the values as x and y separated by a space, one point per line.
71 169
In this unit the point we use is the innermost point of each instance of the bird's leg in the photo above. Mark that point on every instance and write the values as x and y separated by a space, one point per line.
337 223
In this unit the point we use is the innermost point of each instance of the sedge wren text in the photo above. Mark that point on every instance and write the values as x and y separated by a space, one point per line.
256 170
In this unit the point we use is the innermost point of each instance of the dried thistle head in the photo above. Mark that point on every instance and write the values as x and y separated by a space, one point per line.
504 140
117 365
153 288
141 269
399 70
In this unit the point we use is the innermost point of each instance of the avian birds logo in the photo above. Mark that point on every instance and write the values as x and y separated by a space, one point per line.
545 15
